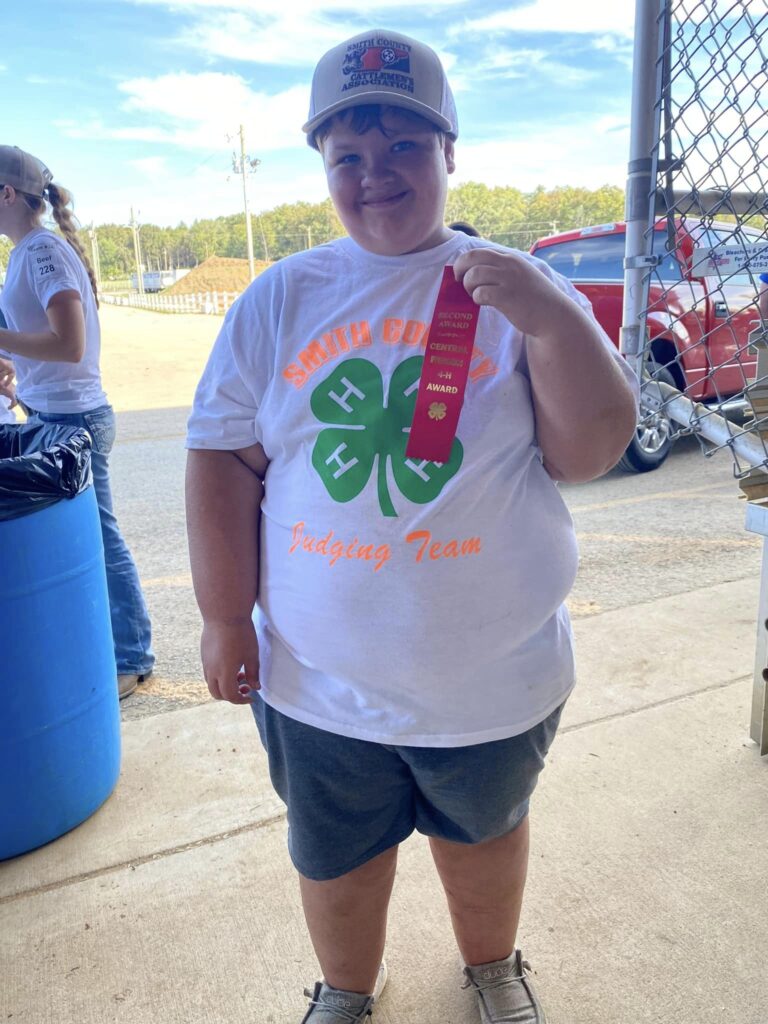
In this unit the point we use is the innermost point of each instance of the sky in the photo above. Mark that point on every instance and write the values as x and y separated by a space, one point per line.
137 103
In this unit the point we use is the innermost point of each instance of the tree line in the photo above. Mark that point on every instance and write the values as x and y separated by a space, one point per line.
502 214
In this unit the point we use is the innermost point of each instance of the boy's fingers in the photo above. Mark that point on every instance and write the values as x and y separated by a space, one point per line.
251 673
224 686
230 691
213 687
482 254
465 261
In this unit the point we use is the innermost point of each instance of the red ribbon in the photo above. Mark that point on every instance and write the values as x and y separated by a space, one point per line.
444 373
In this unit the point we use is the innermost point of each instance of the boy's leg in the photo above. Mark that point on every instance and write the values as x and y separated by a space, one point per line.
347 922
484 885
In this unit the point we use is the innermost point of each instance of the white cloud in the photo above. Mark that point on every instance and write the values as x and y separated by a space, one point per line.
618 47
505 62
151 167
602 16
288 41
198 111
561 154
613 44
259 31
298 8
45 80
206 192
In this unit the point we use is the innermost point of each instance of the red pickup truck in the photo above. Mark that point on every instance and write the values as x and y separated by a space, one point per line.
697 327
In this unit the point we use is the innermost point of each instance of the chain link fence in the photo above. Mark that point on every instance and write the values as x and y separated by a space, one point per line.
697 236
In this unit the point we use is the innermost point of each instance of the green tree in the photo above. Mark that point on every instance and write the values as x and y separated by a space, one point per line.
504 214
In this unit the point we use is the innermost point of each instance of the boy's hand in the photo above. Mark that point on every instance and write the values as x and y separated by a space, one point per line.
230 656
508 282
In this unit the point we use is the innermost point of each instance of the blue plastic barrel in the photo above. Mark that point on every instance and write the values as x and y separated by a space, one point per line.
59 716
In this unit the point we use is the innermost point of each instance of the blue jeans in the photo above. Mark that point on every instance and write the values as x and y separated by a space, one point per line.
131 628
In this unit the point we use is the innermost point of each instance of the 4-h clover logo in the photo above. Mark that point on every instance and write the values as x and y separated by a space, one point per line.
352 397
436 411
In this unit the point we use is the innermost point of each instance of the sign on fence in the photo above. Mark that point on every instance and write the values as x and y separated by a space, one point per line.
726 260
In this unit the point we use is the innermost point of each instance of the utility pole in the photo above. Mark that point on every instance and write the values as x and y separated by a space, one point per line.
243 165
309 237
95 256
263 240
137 254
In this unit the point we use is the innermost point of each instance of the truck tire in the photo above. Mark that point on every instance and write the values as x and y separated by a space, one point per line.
652 441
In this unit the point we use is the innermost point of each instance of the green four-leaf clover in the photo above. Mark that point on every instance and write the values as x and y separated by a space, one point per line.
344 455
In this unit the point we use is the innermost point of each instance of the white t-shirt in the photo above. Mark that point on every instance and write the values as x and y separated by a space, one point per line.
401 602
41 265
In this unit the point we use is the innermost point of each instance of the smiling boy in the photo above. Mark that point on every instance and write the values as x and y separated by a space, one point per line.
423 696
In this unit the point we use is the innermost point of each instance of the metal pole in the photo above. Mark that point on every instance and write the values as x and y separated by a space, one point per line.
137 254
263 240
701 420
95 256
644 134
248 227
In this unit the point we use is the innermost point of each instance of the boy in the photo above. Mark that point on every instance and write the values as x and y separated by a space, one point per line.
411 651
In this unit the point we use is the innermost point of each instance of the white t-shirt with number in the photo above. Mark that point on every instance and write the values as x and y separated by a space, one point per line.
400 601
41 265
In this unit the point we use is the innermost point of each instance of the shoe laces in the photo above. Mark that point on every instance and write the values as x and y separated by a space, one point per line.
484 985
341 1011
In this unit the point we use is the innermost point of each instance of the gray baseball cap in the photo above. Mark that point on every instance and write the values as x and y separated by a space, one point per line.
381 67
24 171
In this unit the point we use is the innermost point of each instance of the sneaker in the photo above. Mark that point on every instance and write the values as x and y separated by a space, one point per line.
505 993
126 684
333 1006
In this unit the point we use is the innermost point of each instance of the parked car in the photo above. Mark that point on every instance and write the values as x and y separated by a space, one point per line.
697 327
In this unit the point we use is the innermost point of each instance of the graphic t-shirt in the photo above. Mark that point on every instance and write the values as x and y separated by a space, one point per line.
40 266
400 601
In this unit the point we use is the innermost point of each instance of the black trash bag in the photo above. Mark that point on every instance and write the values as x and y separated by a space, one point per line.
40 464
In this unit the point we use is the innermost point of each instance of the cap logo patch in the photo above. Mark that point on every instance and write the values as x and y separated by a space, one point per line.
378 62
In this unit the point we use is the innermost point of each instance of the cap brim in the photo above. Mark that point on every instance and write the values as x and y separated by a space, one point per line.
385 98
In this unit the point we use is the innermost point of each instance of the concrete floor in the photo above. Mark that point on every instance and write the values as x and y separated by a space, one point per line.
646 899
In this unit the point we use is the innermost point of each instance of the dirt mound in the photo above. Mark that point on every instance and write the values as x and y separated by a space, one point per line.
216 274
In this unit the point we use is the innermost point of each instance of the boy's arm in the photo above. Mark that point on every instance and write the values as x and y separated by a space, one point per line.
224 490
585 409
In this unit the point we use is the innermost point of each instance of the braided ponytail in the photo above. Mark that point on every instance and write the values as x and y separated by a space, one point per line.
60 200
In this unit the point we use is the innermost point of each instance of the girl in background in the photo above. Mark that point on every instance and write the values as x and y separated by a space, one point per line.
50 305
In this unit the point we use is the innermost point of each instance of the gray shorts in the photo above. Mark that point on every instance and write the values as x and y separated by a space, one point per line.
349 800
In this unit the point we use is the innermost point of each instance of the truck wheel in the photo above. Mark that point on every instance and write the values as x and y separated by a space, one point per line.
653 441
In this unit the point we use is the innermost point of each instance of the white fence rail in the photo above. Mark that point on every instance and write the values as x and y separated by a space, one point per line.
216 303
